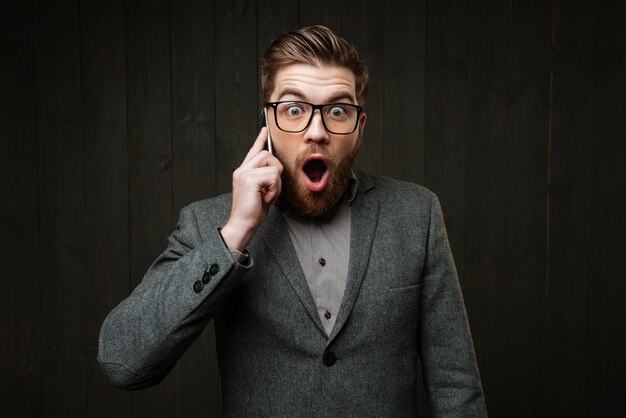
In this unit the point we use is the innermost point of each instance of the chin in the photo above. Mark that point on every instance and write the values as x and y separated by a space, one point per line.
306 202
302 179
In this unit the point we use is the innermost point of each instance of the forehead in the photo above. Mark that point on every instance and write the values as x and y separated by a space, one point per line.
316 84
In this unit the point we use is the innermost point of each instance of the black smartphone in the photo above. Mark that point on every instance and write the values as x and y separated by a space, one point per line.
268 144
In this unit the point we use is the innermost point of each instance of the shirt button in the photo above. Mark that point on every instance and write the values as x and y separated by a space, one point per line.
327 315
197 286
322 261
206 277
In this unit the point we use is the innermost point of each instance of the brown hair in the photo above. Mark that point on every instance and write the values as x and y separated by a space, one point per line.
316 45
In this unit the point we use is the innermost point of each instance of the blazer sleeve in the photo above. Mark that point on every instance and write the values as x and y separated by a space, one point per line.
449 363
144 336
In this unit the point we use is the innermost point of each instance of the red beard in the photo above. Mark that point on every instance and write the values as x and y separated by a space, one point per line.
303 201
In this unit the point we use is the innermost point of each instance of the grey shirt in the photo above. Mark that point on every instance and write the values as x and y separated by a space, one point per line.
323 249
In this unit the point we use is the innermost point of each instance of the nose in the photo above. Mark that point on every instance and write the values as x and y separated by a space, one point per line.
316 132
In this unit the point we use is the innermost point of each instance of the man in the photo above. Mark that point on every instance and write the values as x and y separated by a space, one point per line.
325 287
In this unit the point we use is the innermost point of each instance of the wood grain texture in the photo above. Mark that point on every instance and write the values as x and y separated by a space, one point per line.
486 280
273 19
197 391
106 223
323 12
62 243
117 115
404 72
20 309
149 160
526 206
364 26
568 269
607 218
446 116
236 80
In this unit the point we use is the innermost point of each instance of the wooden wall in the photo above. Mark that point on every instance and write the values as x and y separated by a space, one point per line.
116 114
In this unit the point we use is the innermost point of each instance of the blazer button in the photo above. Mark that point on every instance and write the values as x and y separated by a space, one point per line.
329 358
197 286
214 269
206 277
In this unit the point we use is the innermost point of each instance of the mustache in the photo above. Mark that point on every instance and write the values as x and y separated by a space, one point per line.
315 149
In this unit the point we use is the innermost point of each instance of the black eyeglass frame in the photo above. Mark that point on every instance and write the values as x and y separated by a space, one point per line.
274 105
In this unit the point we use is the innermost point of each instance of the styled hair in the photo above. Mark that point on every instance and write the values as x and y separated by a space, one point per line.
317 45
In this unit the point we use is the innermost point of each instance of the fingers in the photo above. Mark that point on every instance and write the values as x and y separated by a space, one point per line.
262 159
273 185
254 189
268 182
258 146
256 184
263 180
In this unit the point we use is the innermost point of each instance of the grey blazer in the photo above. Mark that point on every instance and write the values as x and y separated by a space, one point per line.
402 300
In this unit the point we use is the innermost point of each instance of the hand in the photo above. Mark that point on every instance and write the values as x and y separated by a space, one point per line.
256 185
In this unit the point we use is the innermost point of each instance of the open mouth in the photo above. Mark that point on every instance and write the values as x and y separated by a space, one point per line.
315 169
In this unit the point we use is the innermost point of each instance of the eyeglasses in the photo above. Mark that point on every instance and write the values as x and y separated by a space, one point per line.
295 116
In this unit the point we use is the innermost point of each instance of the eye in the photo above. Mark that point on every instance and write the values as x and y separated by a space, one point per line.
294 110
337 112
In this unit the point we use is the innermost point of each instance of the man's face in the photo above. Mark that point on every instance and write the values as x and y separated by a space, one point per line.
317 163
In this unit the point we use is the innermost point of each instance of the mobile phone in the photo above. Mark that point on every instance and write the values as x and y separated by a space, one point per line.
264 122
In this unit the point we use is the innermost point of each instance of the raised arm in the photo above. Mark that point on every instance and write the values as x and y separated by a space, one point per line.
144 336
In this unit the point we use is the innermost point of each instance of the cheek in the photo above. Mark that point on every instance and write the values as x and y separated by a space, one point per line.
343 148
286 149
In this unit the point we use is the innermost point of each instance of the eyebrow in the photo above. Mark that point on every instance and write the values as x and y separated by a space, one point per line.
289 91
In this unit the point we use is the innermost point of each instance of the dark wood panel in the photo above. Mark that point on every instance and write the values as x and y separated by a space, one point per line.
150 160
404 70
20 313
323 12
404 58
236 80
445 118
193 101
607 222
273 19
486 281
61 199
526 204
97 196
566 304
106 187
446 114
193 144
364 26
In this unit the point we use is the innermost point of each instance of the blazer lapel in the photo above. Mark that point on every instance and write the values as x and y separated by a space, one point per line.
277 240
364 218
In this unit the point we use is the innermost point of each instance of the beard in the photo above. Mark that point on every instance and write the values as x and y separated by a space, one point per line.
305 202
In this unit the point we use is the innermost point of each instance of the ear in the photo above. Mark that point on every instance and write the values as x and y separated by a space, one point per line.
362 121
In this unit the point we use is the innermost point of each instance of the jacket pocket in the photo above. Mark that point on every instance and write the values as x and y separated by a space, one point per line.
403 304
404 291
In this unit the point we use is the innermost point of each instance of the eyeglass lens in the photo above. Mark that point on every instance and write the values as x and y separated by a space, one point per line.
295 116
